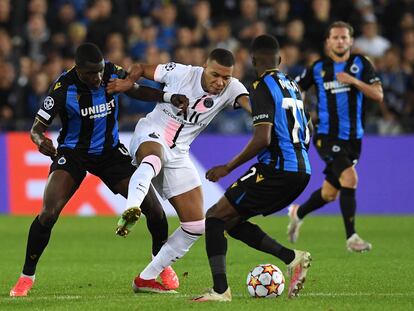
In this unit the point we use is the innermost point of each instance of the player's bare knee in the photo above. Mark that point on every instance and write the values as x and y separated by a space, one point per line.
212 212
48 217
349 180
329 195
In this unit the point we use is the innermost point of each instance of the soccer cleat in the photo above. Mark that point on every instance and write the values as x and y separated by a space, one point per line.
150 286
294 223
128 220
297 271
169 278
356 244
22 287
211 295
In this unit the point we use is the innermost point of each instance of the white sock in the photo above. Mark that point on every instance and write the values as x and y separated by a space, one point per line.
139 184
177 246
28 276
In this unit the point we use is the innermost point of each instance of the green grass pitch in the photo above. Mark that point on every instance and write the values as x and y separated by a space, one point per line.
87 267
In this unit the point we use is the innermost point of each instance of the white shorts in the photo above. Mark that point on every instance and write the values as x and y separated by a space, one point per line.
178 173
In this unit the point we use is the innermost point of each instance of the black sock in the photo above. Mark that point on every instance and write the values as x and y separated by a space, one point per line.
216 246
348 207
37 241
159 231
256 238
314 202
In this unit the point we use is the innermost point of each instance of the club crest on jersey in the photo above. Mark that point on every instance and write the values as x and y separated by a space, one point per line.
62 160
354 68
48 103
208 102
170 66
336 148
154 135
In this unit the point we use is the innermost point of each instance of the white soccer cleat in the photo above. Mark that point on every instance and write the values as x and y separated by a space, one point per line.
297 271
211 295
294 223
356 244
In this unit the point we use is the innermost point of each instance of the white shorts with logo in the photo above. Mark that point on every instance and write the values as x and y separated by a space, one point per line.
178 173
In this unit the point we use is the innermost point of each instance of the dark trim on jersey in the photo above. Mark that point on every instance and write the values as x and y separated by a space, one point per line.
340 111
236 105
111 132
192 116
198 100
289 156
297 147
331 99
176 136
87 124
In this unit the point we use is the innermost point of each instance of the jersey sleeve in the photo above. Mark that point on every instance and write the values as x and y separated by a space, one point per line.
114 71
52 104
263 108
170 72
236 90
369 75
305 80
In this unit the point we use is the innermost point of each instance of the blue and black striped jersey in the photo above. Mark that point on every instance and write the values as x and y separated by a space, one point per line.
340 106
89 117
276 100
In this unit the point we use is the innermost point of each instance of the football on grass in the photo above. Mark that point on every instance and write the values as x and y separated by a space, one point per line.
265 281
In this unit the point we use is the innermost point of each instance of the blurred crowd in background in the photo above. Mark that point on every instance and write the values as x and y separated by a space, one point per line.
38 39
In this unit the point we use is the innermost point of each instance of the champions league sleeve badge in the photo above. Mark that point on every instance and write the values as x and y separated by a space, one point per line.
170 66
48 103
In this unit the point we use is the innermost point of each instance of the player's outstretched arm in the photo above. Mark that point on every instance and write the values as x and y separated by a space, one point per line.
244 102
43 143
155 95
261 139
134 73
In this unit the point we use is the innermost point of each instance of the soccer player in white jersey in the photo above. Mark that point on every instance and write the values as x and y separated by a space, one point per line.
160 150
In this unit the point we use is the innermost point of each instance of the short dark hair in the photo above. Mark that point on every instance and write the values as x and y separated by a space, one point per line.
222 57
340 24
265 44
88 52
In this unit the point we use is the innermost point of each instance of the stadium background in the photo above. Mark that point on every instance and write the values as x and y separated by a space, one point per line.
38 39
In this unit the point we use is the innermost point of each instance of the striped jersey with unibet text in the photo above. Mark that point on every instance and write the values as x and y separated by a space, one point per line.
177 130
340 106
276 100
88 116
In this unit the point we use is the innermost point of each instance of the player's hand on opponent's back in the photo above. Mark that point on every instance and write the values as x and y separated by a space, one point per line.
217 172
45 146
180 101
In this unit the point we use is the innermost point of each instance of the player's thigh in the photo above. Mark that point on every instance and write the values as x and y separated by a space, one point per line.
59 189
349 177
114 169
223 210
66 174
149 148
189 205
329 192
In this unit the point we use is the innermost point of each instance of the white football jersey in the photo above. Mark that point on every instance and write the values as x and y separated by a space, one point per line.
182 79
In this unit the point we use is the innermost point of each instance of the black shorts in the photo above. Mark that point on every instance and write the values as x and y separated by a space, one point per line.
338 155
111 167
265 190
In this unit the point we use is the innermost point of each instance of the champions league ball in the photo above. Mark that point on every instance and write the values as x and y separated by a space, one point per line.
265 281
